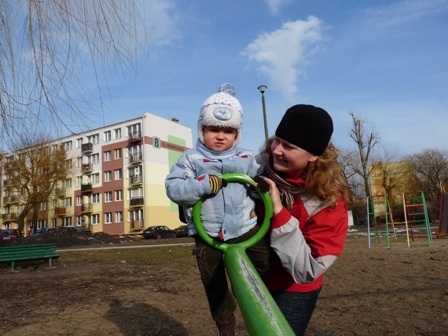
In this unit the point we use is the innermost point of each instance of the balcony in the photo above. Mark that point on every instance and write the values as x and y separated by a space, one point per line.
10 199
60 211
86 188
60 192
7 183
9 216
86 167
136 201
87 147
137 224
136 158
86 207
136 179
135 137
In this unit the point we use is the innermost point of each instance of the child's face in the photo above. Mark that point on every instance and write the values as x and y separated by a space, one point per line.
219 139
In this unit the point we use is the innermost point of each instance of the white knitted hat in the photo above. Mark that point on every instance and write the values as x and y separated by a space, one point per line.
222 109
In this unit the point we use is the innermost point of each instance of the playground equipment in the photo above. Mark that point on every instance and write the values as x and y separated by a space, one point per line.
415 221
443 215
260 312
378 217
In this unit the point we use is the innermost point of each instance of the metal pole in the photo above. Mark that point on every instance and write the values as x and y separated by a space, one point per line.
264 117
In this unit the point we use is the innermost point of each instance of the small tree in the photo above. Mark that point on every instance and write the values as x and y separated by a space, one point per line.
365 138
431 168
33 170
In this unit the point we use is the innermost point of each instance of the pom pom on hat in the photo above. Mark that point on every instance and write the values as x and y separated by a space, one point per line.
221 109
307 127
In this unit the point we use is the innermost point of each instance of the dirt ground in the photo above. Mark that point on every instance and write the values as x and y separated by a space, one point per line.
155 290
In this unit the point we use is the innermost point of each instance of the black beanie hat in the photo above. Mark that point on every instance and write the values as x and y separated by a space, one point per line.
307 127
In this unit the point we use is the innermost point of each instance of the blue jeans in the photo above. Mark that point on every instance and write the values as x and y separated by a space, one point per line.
297 308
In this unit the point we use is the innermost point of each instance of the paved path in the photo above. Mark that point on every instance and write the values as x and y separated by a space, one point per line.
120 247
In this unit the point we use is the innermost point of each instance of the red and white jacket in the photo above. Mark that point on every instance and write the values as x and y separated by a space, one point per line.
307 240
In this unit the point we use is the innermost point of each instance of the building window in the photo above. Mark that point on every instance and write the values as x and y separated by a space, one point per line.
107 136
67 183
108 196
68 164
117 133
94 139
78 143
136 193
67 202
94 219
79 220
118 174
134 129
95 178
67 145
108 217
67 221
78 200
41 223
94 158
95 198
107 156
78 181
118 195
117 153
136 214
118 217
53 222
43 206
107 176
79 162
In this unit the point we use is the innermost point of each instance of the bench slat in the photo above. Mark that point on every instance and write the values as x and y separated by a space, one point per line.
11 254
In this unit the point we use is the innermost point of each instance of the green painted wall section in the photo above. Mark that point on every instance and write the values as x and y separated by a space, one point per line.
172 159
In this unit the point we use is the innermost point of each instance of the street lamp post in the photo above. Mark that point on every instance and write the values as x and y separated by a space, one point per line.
262 89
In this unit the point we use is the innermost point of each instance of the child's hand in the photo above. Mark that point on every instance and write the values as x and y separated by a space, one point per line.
216 183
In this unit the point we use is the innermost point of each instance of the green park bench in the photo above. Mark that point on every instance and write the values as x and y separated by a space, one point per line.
11 254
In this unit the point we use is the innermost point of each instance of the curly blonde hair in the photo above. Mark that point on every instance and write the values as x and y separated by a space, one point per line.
323 177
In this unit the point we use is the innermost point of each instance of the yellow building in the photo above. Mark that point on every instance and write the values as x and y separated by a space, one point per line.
118 181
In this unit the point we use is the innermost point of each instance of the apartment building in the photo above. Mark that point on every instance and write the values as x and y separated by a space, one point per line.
117 184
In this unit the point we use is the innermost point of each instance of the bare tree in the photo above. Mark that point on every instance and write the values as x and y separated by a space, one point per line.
365 137
31 173
431 168
46 45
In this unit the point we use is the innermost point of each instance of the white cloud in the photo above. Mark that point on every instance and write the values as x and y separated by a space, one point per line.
161 19
402 12
274 5
281 53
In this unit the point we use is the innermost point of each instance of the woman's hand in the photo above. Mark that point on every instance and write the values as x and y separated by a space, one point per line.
275 196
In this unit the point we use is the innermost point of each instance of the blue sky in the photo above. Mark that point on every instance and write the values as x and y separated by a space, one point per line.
385 60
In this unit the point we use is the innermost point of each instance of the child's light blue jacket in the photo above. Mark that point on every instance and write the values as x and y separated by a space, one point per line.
226 215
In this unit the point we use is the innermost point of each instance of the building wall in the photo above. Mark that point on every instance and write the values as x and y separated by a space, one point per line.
161 143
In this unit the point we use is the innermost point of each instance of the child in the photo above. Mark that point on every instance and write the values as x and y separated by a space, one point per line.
227 214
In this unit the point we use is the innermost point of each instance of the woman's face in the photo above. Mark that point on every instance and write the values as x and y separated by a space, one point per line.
288 159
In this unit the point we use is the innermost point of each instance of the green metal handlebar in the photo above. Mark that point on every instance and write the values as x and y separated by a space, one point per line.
241 178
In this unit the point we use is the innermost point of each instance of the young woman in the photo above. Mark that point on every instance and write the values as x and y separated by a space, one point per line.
310 200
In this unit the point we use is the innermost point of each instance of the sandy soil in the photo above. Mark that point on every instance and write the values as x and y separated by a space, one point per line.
157 291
